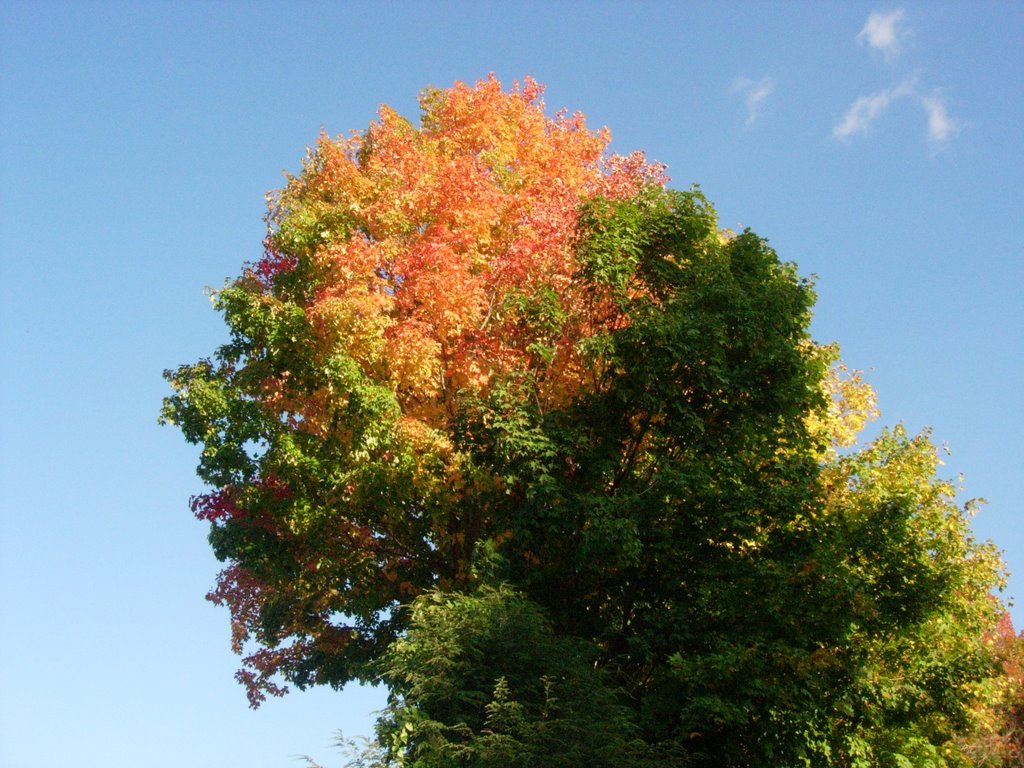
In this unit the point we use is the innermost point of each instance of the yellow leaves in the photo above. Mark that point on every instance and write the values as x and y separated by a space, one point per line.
350 266
423 438
337 178
851 404
355 323
413 359
432 452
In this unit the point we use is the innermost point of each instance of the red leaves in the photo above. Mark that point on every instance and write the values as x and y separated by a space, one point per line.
626 175
215 506
272 263
223 504
242 593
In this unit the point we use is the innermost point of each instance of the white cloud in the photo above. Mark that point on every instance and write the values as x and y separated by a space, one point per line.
881 31
885 31
866 109
941 127
755 93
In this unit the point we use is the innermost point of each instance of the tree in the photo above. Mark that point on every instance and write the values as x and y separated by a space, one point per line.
484 335
480 679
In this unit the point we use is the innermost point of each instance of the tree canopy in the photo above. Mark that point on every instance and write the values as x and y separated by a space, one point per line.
510 425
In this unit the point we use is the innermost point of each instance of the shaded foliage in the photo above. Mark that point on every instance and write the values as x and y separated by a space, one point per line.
480 679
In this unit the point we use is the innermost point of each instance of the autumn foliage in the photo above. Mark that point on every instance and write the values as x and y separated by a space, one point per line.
485 370
444 255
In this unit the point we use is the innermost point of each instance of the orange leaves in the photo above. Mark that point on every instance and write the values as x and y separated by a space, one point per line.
483 118
440 288
352 311
417 238
333 166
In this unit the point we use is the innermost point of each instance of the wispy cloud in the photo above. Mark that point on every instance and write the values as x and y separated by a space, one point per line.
882 31
755 93
866 109
941 127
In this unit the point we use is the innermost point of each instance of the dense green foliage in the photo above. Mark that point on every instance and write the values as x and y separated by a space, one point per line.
480 679
598 513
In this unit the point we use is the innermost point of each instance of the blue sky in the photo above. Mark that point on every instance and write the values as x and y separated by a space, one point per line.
876 145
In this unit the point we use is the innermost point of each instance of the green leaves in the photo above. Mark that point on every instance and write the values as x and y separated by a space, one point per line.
480 679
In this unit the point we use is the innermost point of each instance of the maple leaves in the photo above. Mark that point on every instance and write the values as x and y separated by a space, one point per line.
422 243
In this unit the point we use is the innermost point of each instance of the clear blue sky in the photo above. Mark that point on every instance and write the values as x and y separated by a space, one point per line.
138 140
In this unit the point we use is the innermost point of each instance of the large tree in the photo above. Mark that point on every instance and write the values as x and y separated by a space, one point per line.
481 357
